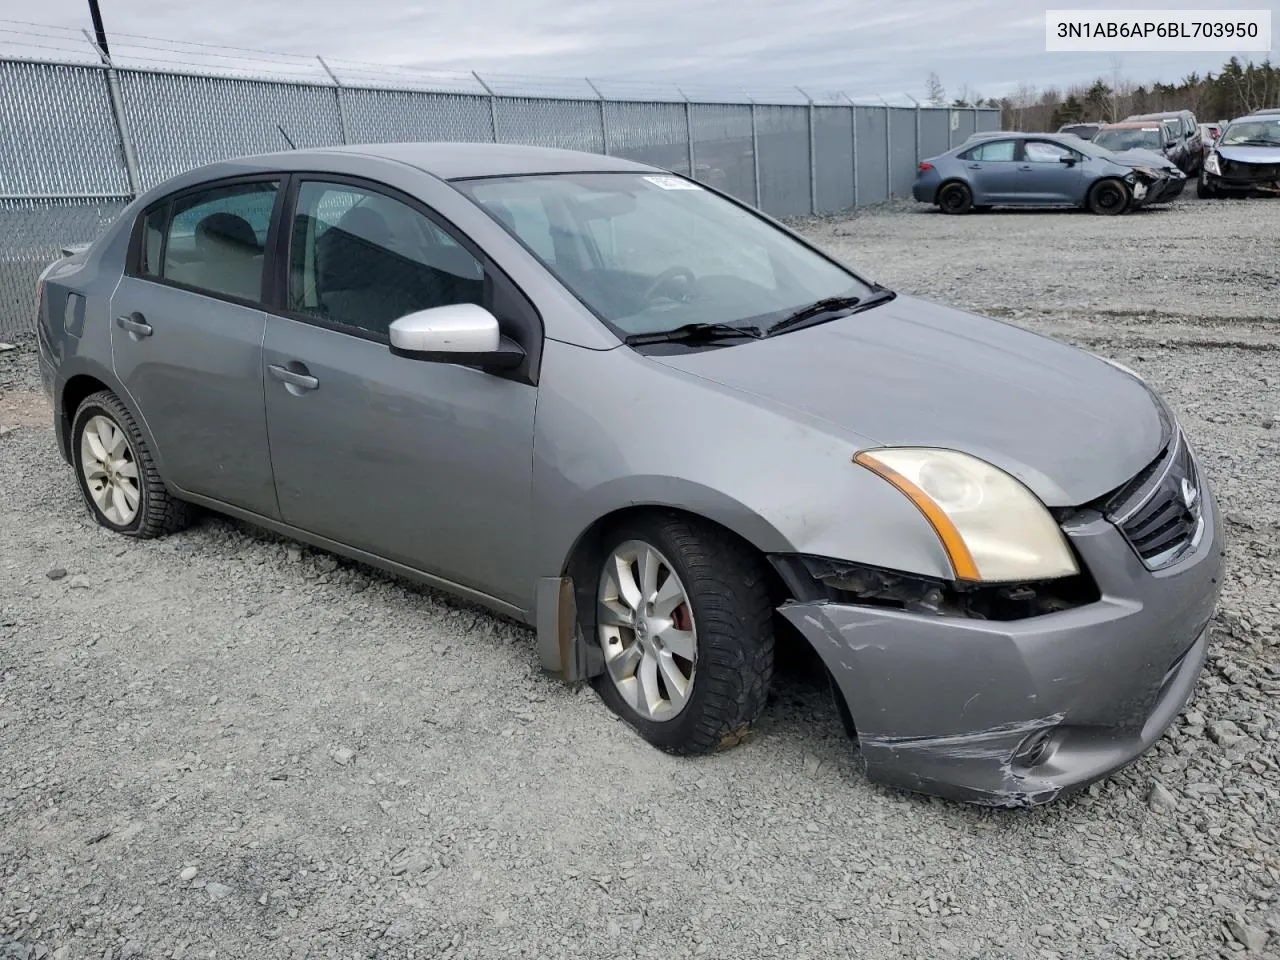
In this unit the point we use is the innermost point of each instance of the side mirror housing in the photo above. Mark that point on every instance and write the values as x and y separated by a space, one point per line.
1069 161
461 333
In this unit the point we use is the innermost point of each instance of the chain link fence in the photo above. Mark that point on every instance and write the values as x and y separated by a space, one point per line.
78 141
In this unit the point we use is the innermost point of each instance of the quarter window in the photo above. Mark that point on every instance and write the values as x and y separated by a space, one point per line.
214 240
361 259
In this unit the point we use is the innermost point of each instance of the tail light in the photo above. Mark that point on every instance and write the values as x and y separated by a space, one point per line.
924 167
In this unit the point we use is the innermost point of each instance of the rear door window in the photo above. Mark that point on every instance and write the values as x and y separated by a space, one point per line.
994 150
215 240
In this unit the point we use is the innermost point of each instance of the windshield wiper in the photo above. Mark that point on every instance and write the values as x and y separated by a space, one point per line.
695 333
878 296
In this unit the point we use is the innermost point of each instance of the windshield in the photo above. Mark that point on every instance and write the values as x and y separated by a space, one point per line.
1146 138
650 253
1256 132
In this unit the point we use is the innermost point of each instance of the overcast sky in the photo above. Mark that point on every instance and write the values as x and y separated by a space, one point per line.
861 47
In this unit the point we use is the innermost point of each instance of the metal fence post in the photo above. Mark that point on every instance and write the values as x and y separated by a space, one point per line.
813 162
888 153
688 130
975 119
917 103
604 126
853 130
755 152
337 95
122 123
493 105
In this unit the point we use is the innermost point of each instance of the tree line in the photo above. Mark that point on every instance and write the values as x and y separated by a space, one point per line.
1238 88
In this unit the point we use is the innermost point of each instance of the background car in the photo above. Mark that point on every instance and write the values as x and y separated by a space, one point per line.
1040 170
637 415
1245 159
1085 131
1186 131
1157 137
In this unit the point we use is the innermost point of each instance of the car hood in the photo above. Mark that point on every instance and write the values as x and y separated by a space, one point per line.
913 373
1139 157
1250 154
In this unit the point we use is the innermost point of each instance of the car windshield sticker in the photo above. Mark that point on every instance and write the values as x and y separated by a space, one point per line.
672 183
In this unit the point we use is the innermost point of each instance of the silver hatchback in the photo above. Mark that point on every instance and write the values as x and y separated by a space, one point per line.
663 430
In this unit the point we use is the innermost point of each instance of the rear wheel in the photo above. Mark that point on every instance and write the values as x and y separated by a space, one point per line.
955 198
118 478
685 623
1108 198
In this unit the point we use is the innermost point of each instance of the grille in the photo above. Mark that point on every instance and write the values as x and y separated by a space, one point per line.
1250 171
1160 511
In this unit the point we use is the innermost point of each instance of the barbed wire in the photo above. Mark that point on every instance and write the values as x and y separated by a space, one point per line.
18 38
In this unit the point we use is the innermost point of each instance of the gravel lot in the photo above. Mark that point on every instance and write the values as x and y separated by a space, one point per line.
222 745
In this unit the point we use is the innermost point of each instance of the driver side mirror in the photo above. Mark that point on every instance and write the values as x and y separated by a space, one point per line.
1069 161
462 333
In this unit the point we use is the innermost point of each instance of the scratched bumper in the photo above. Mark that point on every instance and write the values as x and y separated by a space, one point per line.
1016 713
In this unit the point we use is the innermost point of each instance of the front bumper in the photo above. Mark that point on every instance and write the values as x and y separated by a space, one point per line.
1240 185
958 707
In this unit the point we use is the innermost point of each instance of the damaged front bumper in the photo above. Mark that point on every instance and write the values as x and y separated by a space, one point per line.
1018 712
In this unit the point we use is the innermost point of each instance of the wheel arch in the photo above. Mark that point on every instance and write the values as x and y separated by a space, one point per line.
80 380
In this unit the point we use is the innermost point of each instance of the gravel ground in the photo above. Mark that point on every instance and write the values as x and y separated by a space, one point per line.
223 745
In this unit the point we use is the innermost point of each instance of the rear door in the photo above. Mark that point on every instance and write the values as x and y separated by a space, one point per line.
992 171
186 337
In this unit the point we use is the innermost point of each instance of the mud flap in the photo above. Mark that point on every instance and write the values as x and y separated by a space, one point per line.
563 651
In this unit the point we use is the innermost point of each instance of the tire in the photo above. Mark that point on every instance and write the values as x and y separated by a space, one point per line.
726 621
154 511
1108 198
955 198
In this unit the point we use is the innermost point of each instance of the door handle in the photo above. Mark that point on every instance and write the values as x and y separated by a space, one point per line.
137 327
975 166
292 378
1026 166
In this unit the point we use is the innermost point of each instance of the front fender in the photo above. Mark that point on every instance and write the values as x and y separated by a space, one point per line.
615 430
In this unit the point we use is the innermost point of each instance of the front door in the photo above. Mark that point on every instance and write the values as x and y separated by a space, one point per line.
1049 172
186 339
428 465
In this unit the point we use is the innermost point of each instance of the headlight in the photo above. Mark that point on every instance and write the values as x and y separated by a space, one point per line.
1153 174
991 526
1212 166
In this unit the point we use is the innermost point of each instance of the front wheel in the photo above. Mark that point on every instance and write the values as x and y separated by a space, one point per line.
685 624
1108 198
955 198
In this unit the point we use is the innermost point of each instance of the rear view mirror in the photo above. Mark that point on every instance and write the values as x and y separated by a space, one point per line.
462 333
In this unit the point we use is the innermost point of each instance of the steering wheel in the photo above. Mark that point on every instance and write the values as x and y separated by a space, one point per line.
665 277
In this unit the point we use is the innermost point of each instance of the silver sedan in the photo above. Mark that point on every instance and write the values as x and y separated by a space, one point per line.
663 430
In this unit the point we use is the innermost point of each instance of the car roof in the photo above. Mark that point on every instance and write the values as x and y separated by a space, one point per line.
456 161
1130 125
1162 115
1258 115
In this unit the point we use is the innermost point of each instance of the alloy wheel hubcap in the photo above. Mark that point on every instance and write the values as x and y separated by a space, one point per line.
646 630
110 471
